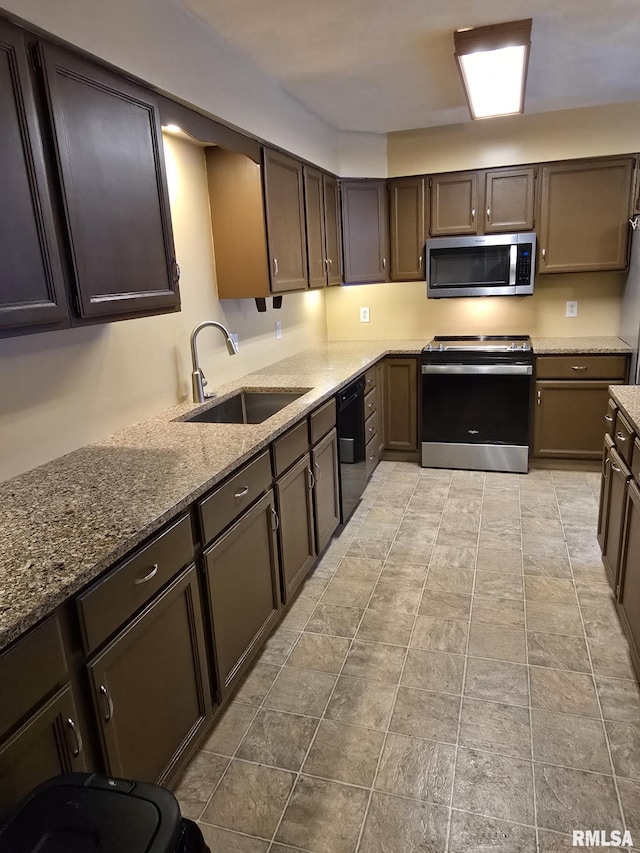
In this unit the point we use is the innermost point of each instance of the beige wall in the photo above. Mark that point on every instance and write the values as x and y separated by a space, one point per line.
401 309
588 132
61 390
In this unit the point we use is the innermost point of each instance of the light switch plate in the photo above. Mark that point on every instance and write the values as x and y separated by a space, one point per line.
572 309
278 330
364 315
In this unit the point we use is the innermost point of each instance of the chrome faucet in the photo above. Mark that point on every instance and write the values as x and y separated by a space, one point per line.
198 380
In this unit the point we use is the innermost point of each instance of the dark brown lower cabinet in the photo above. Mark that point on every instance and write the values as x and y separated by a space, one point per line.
605 491
613 521
243 588
567 418
150 685
326 498
400 403
295 530
48 744
629 577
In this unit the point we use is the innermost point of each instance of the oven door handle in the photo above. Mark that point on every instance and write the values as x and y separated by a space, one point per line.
479 369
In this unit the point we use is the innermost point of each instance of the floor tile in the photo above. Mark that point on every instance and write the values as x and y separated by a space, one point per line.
358 569
550 590
300 691
573 799
494 785
499 561
499 584
592 594
349 593
313 588
278 739
388 597
564 692
453 558
297 616
500 611
610 658
344 753
377 530
497 681
231 842
386 627
472 833
536 526
278 647
361 703
420 554
554 650
511 542
471 506
370 549
573 741
424 714
250 799
492 507
257 683
334 620
323 817
319 652
601 622
619 699
401 573
624 741
554 619
544 546
497 642
197 784
416 768
439 635
437 671
495 727
230 729
446 579
555 842
445 605
374 661
549 567
395 825
630 799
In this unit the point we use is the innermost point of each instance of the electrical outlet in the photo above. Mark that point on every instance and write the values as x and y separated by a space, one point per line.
234 338
572 309
278 330
364 315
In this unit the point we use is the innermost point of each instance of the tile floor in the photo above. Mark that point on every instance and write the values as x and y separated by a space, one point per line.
452 679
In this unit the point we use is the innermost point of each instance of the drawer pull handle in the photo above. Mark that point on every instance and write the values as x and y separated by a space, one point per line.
104 692
578 367
275 267
620 436
371 459
242 492
371 429
370 405
78 737
148 576
609 418
615 467
312 479
319 470
275 518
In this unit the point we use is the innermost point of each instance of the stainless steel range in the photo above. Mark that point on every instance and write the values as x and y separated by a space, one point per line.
476 400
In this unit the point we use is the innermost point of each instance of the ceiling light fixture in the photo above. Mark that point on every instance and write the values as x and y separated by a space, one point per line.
493 63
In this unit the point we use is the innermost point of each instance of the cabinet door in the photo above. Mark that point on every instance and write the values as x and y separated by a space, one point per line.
316 237
48 744
324 458
400 403
31 283
284 201
333 225
619 476
365 231
629 575
509 195
407 228
605 492
243 589
150 685
567 419
584 212
295 531
454 204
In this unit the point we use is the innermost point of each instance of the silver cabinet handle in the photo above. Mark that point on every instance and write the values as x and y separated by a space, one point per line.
539 397
312 479
371 429
330 263
176 271
78 737
578 367
319 470
275 266
326 265
419 262
275 518
148 576
488 213
473 214
104 692
609 418
243 491
384 263
370 405
620 436
544 254
615 467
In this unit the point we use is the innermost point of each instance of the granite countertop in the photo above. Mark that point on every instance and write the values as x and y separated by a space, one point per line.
595 344
628 399
65 522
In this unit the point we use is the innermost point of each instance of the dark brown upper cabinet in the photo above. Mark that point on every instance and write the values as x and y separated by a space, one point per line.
407 228
584 209
509 199
108 146
286 238
333 229
365 230
31 282
315 227
454 204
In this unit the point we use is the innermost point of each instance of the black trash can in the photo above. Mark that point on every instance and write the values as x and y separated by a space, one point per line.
89 813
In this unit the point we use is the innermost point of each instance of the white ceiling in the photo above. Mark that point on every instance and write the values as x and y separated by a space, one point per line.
381 66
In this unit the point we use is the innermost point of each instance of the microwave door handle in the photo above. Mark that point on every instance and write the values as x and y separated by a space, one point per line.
513 258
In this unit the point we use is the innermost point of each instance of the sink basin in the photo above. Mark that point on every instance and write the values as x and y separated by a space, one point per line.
246 407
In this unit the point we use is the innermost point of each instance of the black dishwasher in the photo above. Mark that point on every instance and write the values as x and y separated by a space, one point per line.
353 474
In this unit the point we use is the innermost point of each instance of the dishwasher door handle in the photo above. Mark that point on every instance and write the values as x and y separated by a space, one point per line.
479 369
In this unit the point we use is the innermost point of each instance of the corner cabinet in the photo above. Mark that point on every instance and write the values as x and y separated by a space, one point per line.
365 222
584 209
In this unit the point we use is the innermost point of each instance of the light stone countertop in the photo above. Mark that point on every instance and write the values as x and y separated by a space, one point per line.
595 344
628 399
65 522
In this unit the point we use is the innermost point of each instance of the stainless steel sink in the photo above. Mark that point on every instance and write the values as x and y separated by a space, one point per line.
246 407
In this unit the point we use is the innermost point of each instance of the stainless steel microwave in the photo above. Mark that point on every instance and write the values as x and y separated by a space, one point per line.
493 265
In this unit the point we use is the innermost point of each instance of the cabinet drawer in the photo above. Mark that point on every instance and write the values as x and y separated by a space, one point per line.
623 438
372 428
108 604
372 457
369 379
33 667
610 417
322 421
581 367
290 447
371 402
227 502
